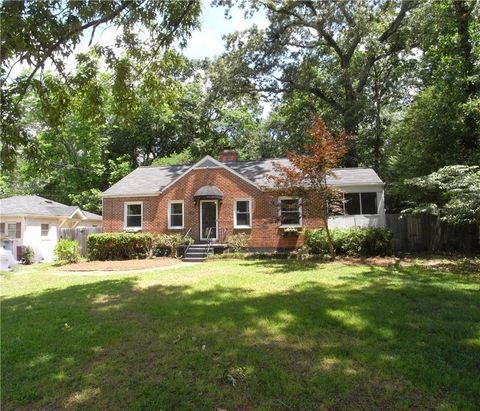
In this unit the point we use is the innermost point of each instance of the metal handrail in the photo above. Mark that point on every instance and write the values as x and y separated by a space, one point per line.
209 238
184 236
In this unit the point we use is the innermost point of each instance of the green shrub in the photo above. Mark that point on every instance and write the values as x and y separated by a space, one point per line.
355 242
238 242
27 255
167 244
119 246
67 250
316 241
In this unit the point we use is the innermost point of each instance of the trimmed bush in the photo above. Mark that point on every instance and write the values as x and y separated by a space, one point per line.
355 242
119 246
27 255
67 250
167 244
238 242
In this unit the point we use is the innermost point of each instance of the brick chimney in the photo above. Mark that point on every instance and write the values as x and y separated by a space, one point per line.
228 155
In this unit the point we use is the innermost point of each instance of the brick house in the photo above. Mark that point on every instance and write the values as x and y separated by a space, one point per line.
213 199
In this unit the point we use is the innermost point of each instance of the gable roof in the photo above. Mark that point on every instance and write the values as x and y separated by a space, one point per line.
210 162
152 180
91 216
39 206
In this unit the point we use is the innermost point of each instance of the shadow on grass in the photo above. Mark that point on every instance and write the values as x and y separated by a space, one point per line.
368 343
285 266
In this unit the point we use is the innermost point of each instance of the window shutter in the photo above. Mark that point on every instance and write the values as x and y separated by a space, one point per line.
19 253
18 233
2 228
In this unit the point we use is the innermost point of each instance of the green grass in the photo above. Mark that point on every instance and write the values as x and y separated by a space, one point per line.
242 335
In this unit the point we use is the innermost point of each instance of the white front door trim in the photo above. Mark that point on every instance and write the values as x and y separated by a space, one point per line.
216 218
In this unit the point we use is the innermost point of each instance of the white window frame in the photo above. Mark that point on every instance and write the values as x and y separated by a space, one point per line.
41 230
235 224
125 208
299 210
169 213
14 231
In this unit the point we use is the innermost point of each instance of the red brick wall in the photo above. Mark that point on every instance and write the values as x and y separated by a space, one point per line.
265 232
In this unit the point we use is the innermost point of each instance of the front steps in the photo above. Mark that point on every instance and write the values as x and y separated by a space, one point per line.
197 253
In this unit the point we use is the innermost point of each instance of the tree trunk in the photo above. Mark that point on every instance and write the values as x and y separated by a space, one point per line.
378 131
331 248
463 13
350 126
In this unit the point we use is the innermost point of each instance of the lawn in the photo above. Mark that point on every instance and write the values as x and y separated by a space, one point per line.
242 335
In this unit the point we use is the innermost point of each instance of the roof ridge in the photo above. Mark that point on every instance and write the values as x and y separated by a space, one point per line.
223 162
353 168
251 161
173 165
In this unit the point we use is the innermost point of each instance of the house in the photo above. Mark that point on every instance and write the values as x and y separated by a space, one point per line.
213 199
35 221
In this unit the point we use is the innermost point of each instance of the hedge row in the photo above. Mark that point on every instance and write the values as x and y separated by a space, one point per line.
127 246
355 242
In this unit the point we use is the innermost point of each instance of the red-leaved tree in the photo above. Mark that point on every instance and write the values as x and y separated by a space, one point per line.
308 172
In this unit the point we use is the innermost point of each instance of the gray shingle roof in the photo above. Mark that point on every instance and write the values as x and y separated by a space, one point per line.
257 172
91 216
35 205
146 180
153 179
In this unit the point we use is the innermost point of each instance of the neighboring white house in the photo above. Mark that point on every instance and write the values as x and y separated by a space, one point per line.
36 222
364 199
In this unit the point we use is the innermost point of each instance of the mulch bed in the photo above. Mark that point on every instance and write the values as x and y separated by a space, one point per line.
124 265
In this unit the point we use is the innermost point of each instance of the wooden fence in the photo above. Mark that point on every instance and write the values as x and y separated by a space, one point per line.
428 233
80 236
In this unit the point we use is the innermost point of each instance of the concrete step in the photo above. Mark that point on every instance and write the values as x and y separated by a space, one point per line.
194 259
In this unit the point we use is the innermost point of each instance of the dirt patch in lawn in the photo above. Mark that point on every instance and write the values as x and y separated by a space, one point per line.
124 265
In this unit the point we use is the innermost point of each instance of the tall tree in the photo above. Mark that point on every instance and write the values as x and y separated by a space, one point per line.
35 33
441 126
326 49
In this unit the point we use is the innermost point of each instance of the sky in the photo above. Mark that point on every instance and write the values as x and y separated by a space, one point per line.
204 42
207 42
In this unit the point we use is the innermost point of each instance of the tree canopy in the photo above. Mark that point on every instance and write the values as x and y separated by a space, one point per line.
452 193
40 32
402 77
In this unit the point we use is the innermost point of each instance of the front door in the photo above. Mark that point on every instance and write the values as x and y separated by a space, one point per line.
208 219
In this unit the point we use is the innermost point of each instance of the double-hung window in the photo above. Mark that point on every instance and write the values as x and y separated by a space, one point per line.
12 230
243 213
290 210
360 203
44 229
133 219
175 214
